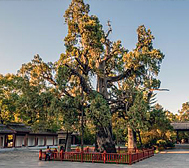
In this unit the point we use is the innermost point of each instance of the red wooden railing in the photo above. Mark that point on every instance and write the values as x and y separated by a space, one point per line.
124 158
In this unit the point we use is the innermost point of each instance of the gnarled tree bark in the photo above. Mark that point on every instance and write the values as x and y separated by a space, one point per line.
104 133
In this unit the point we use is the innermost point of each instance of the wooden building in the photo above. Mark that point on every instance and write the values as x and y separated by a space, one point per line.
181 127
4 132
42 139
18 135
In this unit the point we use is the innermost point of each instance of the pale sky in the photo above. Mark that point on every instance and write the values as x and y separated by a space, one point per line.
28 27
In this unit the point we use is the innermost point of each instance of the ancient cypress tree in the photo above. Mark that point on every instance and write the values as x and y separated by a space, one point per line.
91 55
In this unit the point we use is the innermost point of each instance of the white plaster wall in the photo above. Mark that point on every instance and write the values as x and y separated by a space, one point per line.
49 140
19 141
40 140
2 142
31 140
55 140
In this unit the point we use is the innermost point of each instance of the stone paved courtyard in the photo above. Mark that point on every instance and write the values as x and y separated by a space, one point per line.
176 158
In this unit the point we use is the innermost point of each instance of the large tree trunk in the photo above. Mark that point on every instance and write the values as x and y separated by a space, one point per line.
104 139
131 140
140 139
104 134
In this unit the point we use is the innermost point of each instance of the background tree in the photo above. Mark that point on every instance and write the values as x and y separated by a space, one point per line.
184 112
8 97
159 128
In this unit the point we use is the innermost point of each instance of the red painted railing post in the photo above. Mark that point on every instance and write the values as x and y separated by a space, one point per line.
104 156
130 159
40 154
137 157
92 157
81 156
143 154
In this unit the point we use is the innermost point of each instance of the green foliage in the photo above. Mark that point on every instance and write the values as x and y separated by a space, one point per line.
158 119
159 128
89 137
138 114
63 77
70 113
184 112
99 111
119 129
8 97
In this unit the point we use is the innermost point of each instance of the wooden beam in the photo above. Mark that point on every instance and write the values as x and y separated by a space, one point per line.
14 140
36 140
5 141
26 140
45 141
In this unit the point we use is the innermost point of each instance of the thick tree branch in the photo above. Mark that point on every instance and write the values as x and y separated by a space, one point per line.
109 30
108 57
85 68
83 82
125 74
51 81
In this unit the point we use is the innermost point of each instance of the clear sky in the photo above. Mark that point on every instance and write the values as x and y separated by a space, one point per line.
28 27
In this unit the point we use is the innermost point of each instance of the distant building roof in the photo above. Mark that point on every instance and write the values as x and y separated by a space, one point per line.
5 130
43 133
180 125
18 127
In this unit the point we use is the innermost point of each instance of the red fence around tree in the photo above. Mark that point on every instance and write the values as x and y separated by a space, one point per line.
123 158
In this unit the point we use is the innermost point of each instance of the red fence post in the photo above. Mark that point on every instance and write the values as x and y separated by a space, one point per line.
104 156
81 156
143 154
40 154
55 154
130 158
137 157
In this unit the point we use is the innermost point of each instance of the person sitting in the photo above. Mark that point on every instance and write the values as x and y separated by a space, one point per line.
48 153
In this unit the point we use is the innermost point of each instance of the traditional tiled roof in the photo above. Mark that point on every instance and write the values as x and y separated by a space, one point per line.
18 127
5 130
180 125
42 133
22 128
